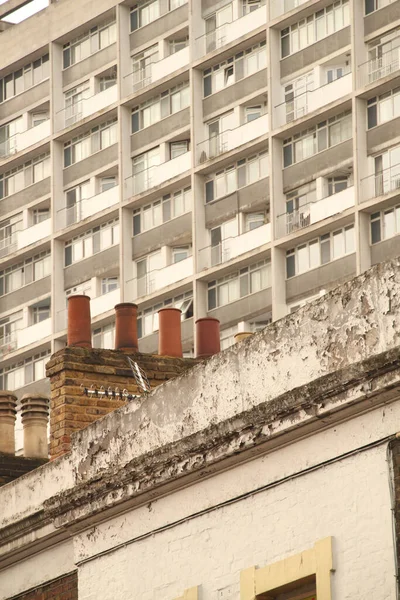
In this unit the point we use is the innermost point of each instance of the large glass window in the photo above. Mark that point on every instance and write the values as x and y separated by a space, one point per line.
158 212
159 107
98 138
21 177
384 107
99 36
21 80
320 251
32 269
385 224
143 169
244 172
141 66
248 280
92 241
74 99
315 27
26 371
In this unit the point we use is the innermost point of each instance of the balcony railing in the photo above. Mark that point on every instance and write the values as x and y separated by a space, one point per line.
231 139
144 180
86 106
234 246
314 211
8 344
380 184
87 207
280 7
376 68
311 100
24 139
24 237
158 279
24 336
142 76
229 32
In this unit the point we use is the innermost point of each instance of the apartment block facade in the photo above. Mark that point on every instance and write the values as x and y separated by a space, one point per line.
233 159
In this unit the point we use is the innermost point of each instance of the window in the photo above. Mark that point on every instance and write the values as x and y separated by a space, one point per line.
147 320
178 148
99 36
26 371
9 326
8 137
155 109
32 269
234 69
144 13
73 100
383 108
245 172
248 280
141 66
107 81
73 199
320 251
373 5
9 232
106 183
103 337
383 55
37 118
249 6
387 171
178 43
214 27
109 284
385 224
254 220
161 211
21 177
25 78
296 98
328 133
41 312
337 184
98 138
39 215
143 169
315 27
181 253
298 206
91 242
146 269
251 113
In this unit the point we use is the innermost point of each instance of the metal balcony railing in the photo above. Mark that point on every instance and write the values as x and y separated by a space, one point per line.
376 68
381 183
280 7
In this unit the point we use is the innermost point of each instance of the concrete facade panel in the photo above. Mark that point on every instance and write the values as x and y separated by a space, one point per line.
248 307
161 129
94 266
157 28
385 250
316 52
381 18
25 294
331 275
91 163
382 133
22 101
90 64
234 93
177 230
20 199
323 161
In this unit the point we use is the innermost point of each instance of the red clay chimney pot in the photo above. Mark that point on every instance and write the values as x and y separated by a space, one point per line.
207 337
169 339
126 335
79 324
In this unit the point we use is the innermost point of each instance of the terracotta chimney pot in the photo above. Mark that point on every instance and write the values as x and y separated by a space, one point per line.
169 340
207 337
79 332
8 411
126 335
35 417
242 335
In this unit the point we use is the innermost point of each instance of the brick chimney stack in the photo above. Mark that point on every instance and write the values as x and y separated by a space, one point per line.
78 366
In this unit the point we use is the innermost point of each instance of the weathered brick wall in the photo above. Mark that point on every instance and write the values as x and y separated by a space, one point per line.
71 367
12 467
64 588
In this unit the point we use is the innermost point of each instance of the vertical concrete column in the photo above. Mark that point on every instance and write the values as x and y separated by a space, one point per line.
35 417
8 411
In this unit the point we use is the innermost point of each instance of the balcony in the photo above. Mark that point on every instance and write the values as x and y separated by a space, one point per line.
280 7
380 184
160 278
153 176
377 68
105 302
87 207
311 100
143 76
24 139
229 32
232 247
231 139
314 211
25 336
87 106
25 237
